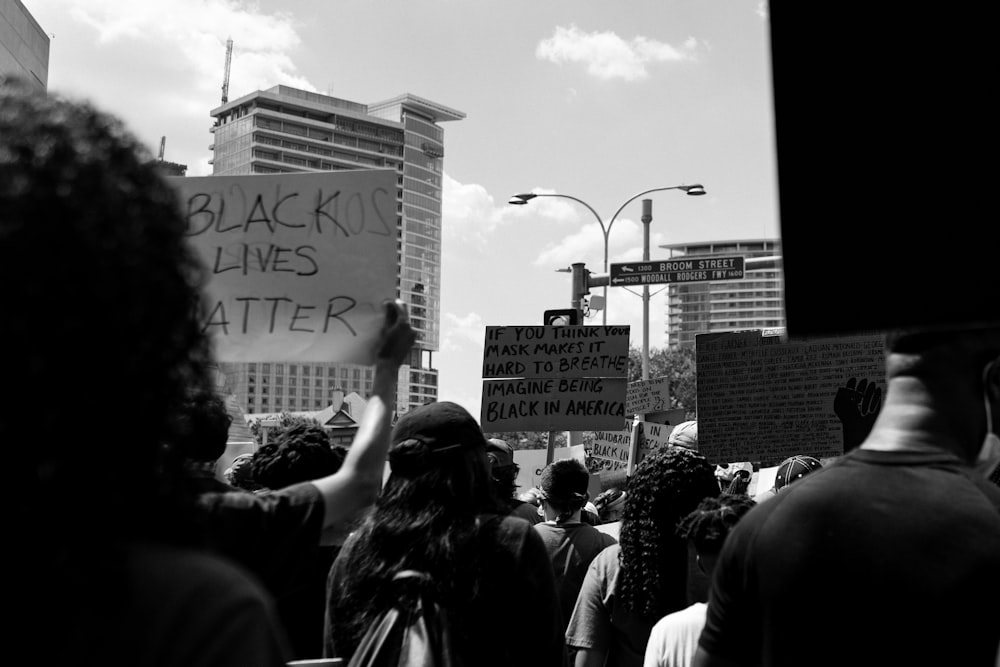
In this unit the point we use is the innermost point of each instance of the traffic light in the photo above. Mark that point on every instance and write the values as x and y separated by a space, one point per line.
562 317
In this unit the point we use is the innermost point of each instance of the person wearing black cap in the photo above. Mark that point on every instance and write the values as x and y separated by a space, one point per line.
439 514
571 543
893 547
504 474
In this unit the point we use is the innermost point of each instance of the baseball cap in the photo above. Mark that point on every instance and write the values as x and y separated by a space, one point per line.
793 468
685 435
440 426
499 453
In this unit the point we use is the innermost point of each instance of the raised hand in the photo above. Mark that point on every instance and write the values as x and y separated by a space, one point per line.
397 337
857 405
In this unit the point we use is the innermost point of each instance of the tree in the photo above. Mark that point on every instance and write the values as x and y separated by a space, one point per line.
676 364
285 420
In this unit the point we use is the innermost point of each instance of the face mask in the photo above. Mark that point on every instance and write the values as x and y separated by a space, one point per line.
989 453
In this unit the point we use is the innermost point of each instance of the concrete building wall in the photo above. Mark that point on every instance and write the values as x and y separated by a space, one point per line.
24 46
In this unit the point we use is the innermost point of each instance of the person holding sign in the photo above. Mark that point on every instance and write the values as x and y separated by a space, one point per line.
893 547
101 329
274 534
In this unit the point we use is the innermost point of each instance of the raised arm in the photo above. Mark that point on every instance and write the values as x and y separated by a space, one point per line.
356 484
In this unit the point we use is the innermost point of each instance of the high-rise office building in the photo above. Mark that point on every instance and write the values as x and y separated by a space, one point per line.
284 129
24 46
754 302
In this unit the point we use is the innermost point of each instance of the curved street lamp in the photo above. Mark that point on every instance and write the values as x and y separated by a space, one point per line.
521 199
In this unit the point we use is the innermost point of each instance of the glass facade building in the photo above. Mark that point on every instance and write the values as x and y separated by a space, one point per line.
754 302
285 129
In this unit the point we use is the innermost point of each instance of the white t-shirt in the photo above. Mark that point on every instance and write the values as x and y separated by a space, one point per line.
674 639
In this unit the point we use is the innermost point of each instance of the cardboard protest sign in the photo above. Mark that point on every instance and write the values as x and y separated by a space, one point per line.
556 351
646 396
298 265
610 451
555 378
653 435
550 404
765 398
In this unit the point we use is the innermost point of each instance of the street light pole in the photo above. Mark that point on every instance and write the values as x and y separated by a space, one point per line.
647 217
521 199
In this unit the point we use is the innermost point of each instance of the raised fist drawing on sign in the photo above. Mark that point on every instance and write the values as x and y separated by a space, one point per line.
857 404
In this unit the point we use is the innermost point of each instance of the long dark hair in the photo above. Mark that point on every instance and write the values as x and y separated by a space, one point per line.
666 486
425 519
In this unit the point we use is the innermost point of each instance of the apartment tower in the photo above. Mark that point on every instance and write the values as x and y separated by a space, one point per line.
754 302
284 129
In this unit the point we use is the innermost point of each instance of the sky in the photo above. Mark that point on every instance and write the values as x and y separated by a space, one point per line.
594 99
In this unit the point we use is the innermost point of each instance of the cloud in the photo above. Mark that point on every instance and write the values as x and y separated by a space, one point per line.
587 245
608 56
460 331
471 216
183 47
468 213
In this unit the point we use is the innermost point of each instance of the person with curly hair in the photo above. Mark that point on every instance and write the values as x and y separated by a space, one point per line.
100 283
439 514
113 559
299 453
201 433
673 641
633 584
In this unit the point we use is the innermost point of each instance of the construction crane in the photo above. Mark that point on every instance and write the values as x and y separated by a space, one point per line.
163 146
225 78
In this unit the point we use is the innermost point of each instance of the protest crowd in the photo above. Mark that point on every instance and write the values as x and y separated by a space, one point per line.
130 550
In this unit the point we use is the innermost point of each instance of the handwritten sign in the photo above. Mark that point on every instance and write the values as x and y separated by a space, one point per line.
556 351
550 404
610 450
298 265
653 436
645 396
765 398
554 378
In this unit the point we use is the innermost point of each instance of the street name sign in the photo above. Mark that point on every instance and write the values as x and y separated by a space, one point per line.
678 270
